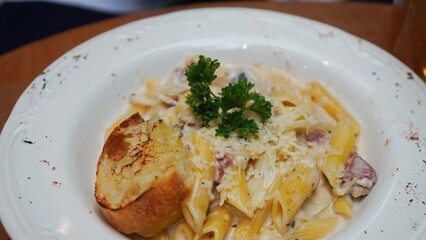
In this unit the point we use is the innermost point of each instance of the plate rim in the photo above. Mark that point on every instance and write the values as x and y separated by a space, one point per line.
417 85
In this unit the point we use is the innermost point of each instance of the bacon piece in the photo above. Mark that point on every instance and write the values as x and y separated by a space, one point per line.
220 163
359 176
317 136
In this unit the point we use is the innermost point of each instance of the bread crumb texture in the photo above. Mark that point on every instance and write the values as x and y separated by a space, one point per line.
143 174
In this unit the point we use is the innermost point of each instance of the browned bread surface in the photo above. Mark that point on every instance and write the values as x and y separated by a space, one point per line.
161 199
143 174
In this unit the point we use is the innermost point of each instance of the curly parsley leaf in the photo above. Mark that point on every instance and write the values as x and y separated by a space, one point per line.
201 99
232 102
238 96
261 106
236 122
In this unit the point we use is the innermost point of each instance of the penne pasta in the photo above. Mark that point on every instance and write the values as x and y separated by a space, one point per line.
342 143
331 105
296 187
266 181
343 206
290 101
237 195
217 224
195 206
312 230
299 124
248 228
183 232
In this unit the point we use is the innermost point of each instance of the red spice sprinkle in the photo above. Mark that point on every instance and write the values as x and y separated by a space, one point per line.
56 184
53 168
414 137
45 161
415 226
411 190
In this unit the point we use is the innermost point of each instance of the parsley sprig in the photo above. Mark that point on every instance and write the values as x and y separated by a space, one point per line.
231 104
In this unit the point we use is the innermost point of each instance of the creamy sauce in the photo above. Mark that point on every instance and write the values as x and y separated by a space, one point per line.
273 153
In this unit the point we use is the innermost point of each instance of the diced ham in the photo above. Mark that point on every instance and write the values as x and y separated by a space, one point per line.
357 167
187 147
220 163
359 176
317 136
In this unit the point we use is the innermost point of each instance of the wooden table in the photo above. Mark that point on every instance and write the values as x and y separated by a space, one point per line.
377 23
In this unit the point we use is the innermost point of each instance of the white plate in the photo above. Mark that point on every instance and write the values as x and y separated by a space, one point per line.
46 188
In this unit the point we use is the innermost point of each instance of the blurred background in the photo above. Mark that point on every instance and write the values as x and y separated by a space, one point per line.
24 21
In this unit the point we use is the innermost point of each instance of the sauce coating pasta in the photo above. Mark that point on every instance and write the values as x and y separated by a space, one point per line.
295 180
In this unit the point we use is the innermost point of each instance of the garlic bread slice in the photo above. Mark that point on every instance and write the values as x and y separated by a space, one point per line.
143 173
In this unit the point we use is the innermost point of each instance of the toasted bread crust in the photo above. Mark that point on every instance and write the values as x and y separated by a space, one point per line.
142 176
164 197
116 147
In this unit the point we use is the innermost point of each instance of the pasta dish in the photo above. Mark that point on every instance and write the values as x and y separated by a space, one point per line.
295 177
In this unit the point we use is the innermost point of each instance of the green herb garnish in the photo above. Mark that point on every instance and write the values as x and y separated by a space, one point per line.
231 104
